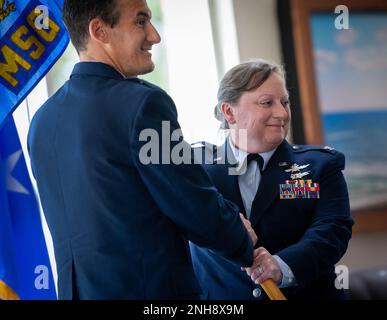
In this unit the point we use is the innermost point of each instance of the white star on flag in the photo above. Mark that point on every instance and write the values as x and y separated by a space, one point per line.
12 184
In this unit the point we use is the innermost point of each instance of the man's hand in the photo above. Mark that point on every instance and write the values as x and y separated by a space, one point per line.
249 229
264 267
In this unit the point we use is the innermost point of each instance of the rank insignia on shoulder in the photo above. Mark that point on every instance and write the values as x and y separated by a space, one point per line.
307 148
299 189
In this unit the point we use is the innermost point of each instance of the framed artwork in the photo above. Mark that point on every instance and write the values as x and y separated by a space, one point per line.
335 53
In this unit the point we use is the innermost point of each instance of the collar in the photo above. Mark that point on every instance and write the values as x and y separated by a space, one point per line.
96 68
241 155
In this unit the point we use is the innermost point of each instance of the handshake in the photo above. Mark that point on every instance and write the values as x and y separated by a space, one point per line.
265 266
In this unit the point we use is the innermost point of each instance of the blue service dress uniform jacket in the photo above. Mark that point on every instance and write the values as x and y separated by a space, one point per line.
120 228
309 234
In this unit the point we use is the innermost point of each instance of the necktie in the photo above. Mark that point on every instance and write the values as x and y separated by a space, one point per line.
256 157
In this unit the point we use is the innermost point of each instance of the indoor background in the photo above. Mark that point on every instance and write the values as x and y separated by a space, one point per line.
201 40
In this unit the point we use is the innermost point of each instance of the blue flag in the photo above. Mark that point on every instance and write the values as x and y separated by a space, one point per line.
32 38
25 270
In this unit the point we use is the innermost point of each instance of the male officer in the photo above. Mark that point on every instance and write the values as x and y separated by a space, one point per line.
295 196
120 226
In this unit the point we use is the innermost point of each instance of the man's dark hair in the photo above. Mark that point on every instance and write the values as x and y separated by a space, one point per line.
77 15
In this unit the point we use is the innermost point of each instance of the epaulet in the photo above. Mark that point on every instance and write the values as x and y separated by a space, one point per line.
305 148
149 84
145 83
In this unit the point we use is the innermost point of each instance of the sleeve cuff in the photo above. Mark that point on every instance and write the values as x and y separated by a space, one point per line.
288 278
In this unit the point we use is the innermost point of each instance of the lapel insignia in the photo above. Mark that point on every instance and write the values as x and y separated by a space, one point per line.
283 164
299 189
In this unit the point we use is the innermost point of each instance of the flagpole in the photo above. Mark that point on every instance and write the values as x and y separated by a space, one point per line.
28 111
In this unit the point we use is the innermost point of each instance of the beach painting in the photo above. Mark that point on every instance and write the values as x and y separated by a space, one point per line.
351 72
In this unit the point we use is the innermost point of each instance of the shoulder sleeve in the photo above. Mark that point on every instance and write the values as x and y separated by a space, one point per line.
183 191
326 238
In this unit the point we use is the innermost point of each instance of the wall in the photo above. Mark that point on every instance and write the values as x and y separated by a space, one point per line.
257 29
366 251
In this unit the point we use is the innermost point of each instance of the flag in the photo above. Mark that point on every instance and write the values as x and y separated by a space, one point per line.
32 38
25 270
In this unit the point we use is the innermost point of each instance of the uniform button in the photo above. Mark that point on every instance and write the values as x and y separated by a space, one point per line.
257 293
296 147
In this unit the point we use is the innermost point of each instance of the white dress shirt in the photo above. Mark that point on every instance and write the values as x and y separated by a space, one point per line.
249 181
248 186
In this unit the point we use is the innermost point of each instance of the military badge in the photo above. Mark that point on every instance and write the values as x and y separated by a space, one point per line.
299 189
299 175
296 168
295 171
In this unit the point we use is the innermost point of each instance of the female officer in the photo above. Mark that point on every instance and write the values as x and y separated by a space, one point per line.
294 195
